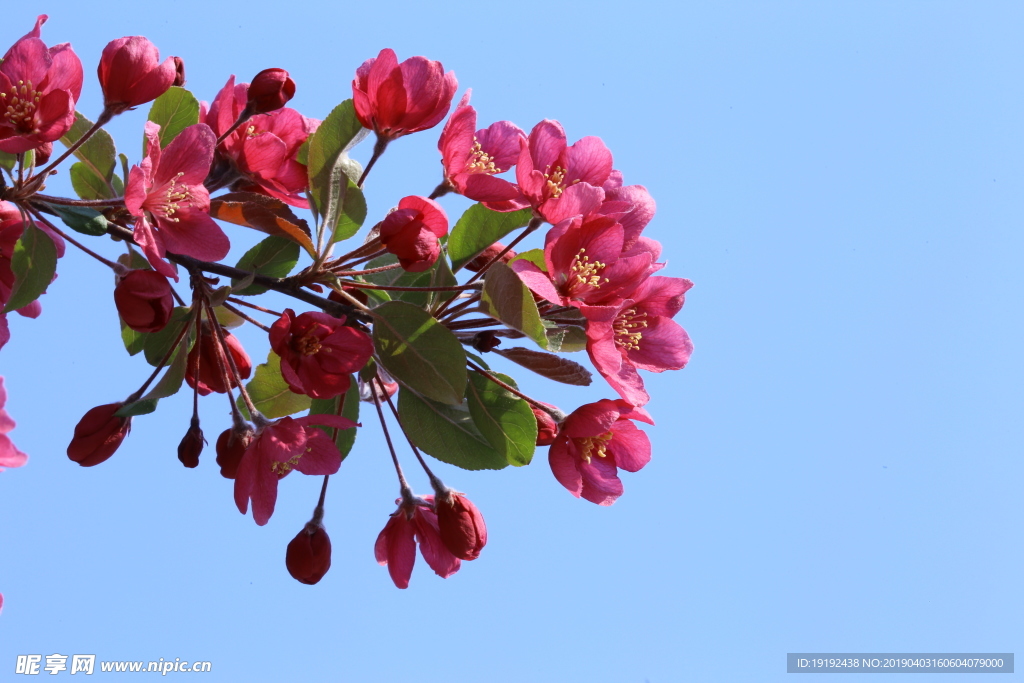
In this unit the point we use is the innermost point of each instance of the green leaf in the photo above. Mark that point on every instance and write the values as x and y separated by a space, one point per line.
479 228
137 408
8 160
447 432
349 408
566 338
270 393
548 365
81 219
174 111
505 420
97 159
419 352
329 168
33 263
168 385
534 256
133 341
352 214
157 344
86 184
506 298
274 257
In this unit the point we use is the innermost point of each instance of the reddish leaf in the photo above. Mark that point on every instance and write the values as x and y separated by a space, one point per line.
262 213
548 365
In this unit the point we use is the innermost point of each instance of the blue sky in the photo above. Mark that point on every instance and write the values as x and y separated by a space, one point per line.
837 470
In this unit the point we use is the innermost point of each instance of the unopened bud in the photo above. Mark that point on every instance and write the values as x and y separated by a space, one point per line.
489 253
192 445
485 341
143 299
98 434
547 428
309 554
461 525
270 90
231 445
179 72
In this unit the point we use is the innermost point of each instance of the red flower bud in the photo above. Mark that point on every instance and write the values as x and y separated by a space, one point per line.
179 72
214 369
547 428
43 153
487 254
411 232
98 434
192 445
461 525
131 74
143 298
309 554
270 90
231 445
486 341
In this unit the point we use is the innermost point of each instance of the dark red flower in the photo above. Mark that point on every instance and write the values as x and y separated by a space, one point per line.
231 445
143 299
98 434
413 522
309 554
461 525
318 352
191 445
411 232
131 74
396 99
214 369
270 90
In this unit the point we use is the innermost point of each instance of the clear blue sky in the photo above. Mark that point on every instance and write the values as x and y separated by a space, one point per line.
838 469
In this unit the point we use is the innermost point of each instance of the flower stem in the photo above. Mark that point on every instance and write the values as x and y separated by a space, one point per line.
403 484
378 150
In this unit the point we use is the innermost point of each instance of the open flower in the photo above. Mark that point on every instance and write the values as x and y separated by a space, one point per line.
594 442
639 333
396 99
131 74
10 456
471 159
318 352
166 194
38 90
413 522
278 448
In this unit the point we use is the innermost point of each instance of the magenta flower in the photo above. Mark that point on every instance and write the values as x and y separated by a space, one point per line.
632 206
411 232
166 194
277 449
593 443
396 99
639 333
38 91
413 522
131 74
318 352
558 180
10 456
471 160
263 150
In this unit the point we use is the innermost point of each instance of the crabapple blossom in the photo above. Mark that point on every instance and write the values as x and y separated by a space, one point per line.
143 299
98 434
414 522
10 456
318 352
308 556
131 73
411 232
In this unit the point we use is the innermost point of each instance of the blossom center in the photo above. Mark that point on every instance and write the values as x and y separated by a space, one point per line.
594 446
627 328
585 273
19 107
480 161
307 345
169 199
555 181
283 468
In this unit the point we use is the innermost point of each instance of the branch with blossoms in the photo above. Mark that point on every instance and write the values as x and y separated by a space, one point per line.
421 318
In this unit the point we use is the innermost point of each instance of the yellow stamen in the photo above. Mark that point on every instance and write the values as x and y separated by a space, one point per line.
627 329
595 445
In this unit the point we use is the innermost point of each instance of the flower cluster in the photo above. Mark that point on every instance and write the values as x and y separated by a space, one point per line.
391 321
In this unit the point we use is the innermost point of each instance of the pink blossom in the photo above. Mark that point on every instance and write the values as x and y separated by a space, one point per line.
411 232
471 160
277 449
639 333
413 522
631 206
593 443
318 352
38 90
562 181
10 456
396 99
265 148
131 74
166 194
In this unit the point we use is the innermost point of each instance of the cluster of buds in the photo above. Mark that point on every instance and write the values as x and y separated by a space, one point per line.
391 319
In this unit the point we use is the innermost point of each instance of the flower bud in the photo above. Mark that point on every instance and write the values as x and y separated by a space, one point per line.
411 232
485 341
270 90
461 525
131 74
192 445
309 554
231 445
98 434
487 254
547 428
214 368
179 72
143 299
